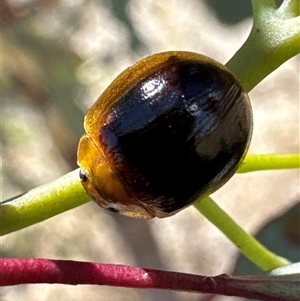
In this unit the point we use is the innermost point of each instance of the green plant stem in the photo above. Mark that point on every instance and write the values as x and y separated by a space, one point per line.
67 192
248 245
274 39
255 162
42 203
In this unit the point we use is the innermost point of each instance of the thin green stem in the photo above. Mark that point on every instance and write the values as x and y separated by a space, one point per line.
42 202
255 162
67 192
274 39
248 245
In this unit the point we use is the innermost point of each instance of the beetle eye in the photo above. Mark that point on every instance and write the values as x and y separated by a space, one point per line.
112 210
83 175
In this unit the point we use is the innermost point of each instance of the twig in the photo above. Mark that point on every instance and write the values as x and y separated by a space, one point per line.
15 271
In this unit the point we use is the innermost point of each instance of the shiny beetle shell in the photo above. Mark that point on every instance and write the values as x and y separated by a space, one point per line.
170 129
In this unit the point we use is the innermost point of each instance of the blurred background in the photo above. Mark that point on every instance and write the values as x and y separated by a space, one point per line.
57 56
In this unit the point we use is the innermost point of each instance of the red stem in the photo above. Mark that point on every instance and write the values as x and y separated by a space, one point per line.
15 271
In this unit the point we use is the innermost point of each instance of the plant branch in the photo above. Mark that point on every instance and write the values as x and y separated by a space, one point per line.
42 203
256 162
22 270
248 245
274 39
67 192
